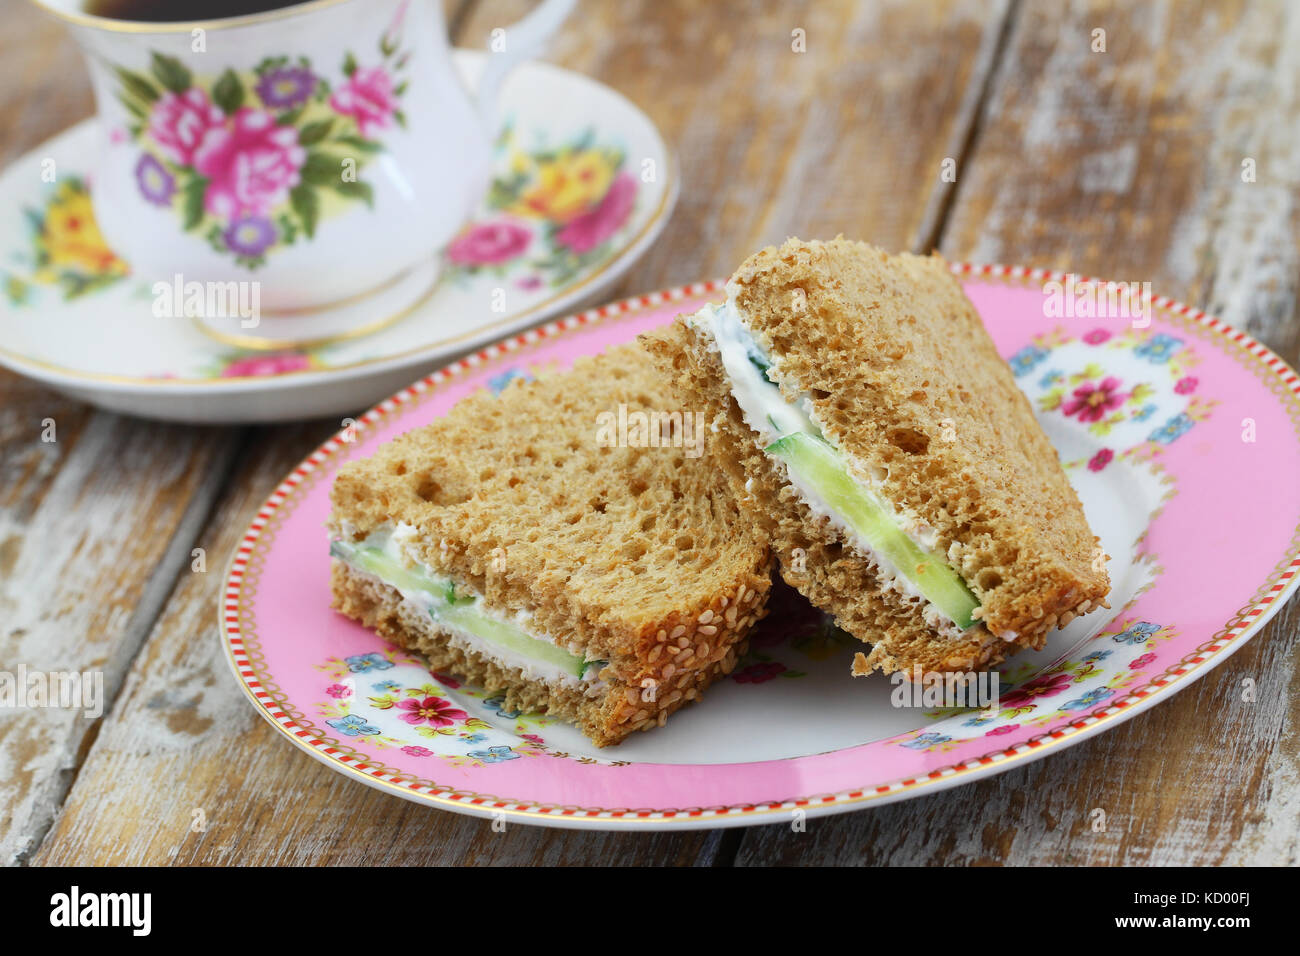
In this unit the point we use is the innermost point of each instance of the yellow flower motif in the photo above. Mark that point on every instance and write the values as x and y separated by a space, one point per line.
568 185
70 237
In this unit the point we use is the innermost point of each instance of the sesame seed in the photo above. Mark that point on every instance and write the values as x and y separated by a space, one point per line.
655 652
708 630
661 636
678 631
668 671
706 617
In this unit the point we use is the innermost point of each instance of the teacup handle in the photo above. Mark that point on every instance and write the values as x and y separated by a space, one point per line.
524 40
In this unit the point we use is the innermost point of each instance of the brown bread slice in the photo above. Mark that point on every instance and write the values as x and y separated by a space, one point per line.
906 382
638 556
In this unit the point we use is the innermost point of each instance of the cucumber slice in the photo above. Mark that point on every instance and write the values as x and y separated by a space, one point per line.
511 638
819 465
459 611
375 562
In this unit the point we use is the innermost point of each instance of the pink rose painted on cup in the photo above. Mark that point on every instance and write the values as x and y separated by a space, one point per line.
590 229
489 244
369 98
257 365
250 165
179 122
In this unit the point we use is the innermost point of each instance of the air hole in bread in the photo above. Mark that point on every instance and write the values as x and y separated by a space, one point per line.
820 394
432 492
908 440
987 579
684 542
637 487
399 468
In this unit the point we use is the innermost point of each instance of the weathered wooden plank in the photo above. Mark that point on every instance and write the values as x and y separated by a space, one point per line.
771 142
1127 164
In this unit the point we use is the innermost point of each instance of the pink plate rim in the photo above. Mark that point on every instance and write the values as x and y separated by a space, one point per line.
1233 635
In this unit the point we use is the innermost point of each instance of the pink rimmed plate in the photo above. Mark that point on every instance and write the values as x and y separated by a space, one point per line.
1180 433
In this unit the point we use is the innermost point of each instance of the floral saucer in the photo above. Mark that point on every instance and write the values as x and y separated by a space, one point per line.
1180 434
583 185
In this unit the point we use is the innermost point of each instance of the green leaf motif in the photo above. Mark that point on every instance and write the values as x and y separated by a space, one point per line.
349 65
228 93
137 85
192 202
321 169
306 205
132 106
359 144
313 133
356 190
171 73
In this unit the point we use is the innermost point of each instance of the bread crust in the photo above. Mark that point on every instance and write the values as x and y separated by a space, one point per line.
867 337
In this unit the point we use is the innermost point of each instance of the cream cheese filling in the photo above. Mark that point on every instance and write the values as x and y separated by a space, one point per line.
389 555
767 412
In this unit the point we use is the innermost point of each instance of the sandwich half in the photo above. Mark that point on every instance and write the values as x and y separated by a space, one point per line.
870 427
529 544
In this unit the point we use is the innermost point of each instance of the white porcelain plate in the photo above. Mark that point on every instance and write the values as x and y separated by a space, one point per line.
73 316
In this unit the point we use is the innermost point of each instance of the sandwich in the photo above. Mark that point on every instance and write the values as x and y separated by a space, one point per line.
866 421
565 542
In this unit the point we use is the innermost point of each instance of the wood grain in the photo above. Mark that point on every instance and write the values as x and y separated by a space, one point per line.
806 159
1127 165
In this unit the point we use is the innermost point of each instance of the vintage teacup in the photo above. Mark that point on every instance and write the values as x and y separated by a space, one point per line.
308 162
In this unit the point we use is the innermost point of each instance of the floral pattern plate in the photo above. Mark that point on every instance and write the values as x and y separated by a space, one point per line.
583 184
1181 437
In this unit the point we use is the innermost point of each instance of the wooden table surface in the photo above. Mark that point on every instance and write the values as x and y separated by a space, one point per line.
1124 163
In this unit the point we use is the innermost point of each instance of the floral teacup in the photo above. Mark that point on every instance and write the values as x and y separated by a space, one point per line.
292 175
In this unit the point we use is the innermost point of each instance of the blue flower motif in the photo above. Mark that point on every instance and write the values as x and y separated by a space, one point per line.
1098 655
981 718
495 704
386 685
473 738
497 383
352 725
1051 378
1171 430
1088 699
1159 348
926 741
360 663
494 754
1136 633
1143 413
1025 360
